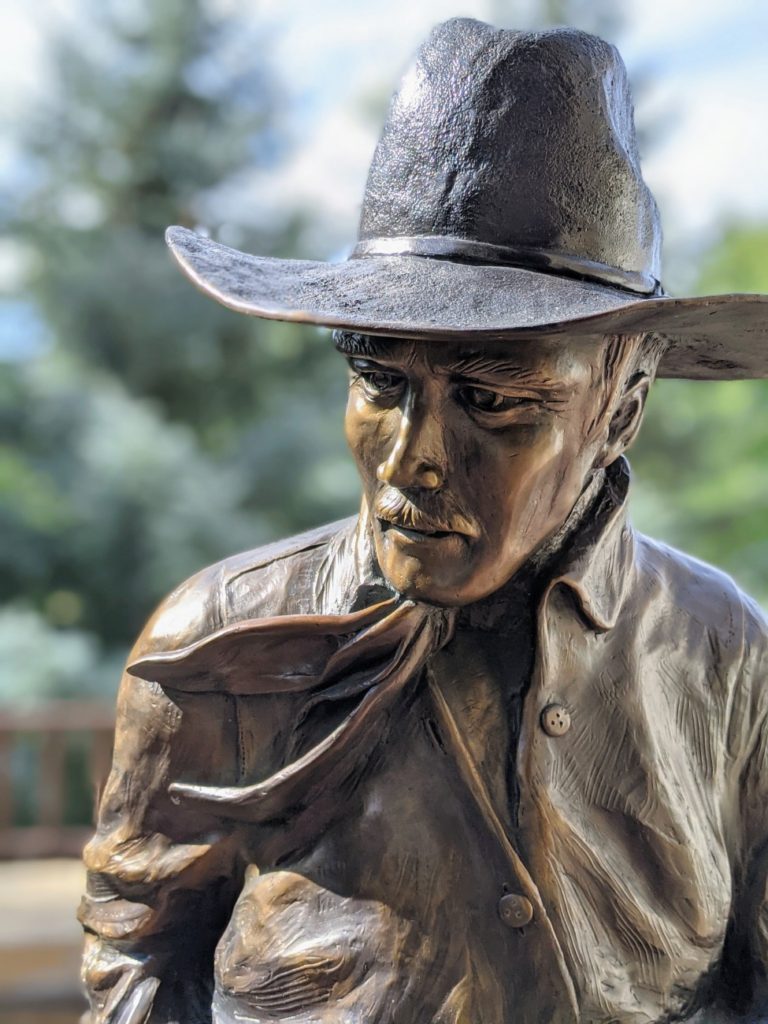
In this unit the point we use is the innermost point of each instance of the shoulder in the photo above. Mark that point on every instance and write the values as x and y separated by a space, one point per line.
262 580
710 604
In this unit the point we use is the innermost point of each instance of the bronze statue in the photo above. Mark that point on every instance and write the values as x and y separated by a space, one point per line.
482 754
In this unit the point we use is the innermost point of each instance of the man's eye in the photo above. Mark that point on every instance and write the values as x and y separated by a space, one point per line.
487 401
378 382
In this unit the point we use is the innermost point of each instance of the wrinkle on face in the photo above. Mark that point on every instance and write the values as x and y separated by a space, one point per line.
483 366
515 469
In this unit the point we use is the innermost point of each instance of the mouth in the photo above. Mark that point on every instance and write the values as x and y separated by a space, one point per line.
411 533
401 521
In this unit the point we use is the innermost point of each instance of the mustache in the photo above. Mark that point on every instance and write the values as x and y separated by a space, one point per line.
431 515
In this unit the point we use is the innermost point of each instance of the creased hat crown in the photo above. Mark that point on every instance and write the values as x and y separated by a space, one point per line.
505 200
520 140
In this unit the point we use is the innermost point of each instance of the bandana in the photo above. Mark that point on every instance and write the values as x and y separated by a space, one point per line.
374 658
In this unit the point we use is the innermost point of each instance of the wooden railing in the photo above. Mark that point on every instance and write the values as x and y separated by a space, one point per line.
46 807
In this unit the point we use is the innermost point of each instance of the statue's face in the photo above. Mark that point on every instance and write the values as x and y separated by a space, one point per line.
471 456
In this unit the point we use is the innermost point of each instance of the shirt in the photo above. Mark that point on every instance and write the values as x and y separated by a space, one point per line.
311 816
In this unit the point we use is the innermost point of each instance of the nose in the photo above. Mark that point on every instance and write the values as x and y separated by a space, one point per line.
417 458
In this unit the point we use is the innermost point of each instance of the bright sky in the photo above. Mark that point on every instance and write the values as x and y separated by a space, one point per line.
700 69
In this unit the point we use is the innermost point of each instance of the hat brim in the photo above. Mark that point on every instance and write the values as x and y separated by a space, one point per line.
719 337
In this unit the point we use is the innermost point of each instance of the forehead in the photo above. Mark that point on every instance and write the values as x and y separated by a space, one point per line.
560 356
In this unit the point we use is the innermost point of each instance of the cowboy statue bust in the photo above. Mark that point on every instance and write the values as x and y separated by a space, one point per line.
481 754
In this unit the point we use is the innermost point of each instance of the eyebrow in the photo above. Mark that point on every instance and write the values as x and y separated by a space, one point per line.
472 366
367 346
480 366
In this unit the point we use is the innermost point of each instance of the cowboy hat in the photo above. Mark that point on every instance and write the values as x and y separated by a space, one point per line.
504 200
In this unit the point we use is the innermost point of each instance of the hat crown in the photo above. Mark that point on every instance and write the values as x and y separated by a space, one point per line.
516 139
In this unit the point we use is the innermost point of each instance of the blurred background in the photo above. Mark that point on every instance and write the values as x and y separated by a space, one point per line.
145 431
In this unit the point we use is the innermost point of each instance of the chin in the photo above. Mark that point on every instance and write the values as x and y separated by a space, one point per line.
449 572
418 583
436 585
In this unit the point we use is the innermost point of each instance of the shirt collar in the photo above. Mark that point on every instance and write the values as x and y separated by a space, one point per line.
597 565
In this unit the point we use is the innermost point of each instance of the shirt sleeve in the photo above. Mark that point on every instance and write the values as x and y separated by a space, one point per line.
161 880
743 974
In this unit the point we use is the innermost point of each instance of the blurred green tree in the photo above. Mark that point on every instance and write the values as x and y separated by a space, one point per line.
700 462
145 428
147 431
154 110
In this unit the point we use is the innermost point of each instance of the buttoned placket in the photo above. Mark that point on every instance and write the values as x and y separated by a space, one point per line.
542 711
549 712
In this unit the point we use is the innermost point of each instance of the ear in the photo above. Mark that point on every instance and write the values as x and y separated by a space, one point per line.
625 421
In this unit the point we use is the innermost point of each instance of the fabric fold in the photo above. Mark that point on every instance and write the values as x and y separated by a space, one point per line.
375 654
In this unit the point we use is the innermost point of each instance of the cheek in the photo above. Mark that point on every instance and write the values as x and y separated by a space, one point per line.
560 473
517 460
530 479
369 432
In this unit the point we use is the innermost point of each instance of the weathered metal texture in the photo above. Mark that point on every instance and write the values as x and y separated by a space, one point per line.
716 337
517 139
384 894
505 198
482 754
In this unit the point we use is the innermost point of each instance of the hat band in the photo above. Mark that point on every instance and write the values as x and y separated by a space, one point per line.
445 247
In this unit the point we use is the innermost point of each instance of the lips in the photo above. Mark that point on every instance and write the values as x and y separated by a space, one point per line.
396 511
415 534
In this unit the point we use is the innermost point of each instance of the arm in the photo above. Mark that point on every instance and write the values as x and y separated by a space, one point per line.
161 879
743 976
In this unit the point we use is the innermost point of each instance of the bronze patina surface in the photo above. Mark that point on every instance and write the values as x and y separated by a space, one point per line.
481 754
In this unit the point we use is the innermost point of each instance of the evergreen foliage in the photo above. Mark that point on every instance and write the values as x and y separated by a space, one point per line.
701 462
146 431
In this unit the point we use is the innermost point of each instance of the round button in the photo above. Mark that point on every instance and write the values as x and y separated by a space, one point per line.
555 720
515 911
